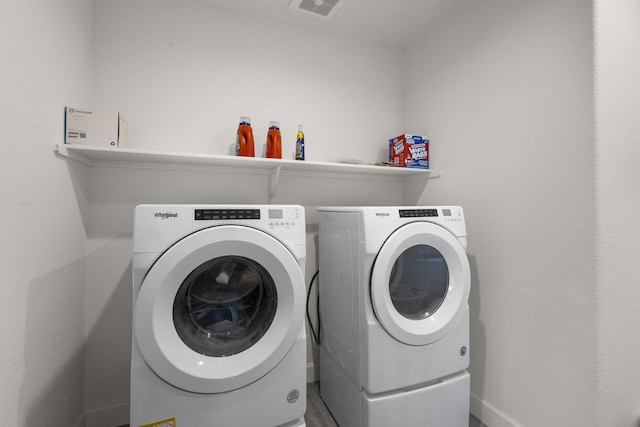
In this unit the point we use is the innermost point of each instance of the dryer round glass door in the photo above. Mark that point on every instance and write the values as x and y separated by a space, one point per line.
420 283
219 309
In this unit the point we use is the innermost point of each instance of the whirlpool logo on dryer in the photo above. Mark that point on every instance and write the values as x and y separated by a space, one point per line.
165 215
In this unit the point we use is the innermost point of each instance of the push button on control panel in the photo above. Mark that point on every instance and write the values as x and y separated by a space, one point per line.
281 223
283 217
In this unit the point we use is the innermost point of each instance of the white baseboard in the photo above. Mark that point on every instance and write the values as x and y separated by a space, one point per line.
490 415
108 416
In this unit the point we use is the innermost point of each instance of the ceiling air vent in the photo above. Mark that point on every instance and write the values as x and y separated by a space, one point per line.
318 8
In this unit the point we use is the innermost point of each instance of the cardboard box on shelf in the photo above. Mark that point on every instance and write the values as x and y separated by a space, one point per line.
95 128
409 151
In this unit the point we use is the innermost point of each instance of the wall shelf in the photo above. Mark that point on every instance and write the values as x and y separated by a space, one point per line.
127 157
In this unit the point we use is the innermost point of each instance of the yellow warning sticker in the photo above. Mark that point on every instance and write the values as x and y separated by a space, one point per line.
171 422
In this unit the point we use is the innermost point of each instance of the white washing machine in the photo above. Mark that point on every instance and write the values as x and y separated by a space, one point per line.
394 288
218 321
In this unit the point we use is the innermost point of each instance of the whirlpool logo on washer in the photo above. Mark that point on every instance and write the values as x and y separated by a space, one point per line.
165 215
382 214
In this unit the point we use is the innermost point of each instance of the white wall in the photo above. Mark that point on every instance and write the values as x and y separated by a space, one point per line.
45 64
617 90
182 72
504 90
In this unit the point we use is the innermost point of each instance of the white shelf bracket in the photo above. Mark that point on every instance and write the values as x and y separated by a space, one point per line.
273 182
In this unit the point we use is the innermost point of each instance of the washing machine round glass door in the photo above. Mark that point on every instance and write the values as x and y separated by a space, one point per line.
219 309
420 283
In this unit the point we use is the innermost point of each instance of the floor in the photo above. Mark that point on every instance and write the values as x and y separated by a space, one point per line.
318 415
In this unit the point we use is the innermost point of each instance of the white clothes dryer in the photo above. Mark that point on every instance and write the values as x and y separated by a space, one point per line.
394 288
218 321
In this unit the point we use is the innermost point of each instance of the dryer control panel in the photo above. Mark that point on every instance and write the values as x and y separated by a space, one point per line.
429 212
445 214
418 213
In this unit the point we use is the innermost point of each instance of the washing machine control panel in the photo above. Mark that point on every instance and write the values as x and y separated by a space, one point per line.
273 217
226 214
283 217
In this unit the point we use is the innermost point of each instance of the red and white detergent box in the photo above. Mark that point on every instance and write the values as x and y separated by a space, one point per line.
409 151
